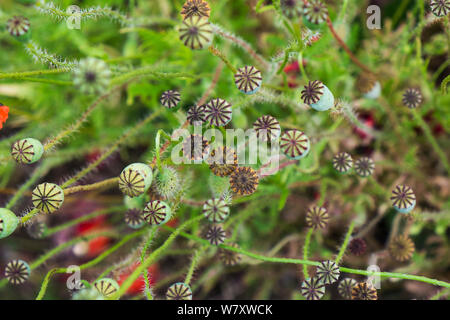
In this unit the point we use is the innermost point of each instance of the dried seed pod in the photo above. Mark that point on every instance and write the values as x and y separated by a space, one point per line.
17 271
364 166
222 161
357 246
196 114
196 32
47 197
135 179
216 210
328 272
317 217
440 8
315 11
345 287
244 181
228 257
312 289
195 147
295 144
403 199
193 8
342 162
27 150
368 85
291 8
106 286
248 79
157 212
92 76
134 218
179 291
19 27
412 98
37 230
8 222
267 128
218 112
317 96
364 291
170 98
401 248
216 234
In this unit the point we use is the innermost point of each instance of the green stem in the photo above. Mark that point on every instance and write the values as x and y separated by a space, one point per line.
345 243
135 274
394 275
195 260
220 55
88 264
19 75
305 252
143 255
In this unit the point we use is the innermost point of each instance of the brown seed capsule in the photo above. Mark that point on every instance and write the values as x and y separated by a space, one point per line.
222 161
317 217
401 248
364 291
216 234
198 8
244 181
228 257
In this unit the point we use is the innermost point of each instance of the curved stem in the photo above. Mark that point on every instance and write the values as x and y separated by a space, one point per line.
348 235
305 252
195 261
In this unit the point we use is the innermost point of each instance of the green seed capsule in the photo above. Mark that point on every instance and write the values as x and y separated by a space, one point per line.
8 222
47 197
135 179
317 96
157 212
17 271
106 286
179 291
27 150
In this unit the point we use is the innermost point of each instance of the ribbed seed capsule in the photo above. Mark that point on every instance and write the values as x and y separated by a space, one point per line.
179 291
157 212
412 98
47 197
342 162
216 234
248 79
195 8
37 230
195 147
401 248
244 181
170 99
228 257
440 8
218 112
317 217
106 286
364 291
196 32
295 144
134 218
328 272
364 166
135 179
17 271
222 161
196 114
291 8
8 222
317 96
267 128
357 246
92 76
345 287
19 27
27 150
312 289
315 11
216 210
403 199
